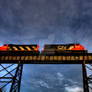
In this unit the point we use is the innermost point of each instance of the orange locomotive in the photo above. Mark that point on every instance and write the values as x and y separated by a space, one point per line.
22 49
63 48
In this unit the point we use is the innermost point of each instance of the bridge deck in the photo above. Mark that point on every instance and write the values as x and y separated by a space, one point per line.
28 58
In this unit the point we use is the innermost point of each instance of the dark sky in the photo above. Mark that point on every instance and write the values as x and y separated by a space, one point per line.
46 21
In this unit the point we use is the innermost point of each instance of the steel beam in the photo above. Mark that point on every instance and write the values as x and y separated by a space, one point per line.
85 79
16 82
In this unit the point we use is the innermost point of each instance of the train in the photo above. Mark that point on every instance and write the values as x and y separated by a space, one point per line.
63 48
47 48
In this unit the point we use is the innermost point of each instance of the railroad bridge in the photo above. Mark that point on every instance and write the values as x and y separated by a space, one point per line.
26 57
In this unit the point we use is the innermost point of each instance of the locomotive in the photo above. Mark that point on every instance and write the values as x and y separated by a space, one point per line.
63 48
20 49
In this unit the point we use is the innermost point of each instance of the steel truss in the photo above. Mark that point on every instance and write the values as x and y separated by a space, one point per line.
12 76
89 76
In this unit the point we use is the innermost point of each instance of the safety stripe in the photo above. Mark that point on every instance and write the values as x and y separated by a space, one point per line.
9 48
28 48
15 48
34 48
70 47
21 48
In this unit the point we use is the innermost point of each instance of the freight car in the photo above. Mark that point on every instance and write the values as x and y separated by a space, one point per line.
63 48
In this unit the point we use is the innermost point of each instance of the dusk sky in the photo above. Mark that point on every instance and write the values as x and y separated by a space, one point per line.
46 21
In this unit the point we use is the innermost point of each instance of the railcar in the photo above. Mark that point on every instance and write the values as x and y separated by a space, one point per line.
63 48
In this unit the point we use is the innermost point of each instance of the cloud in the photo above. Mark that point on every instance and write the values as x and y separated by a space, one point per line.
46 21
42 84
74 89
43 80
49 40
60 76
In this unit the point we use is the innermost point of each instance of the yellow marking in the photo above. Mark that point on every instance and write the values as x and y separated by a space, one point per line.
9 48
55 57
42 58
34 58
86 57
81 57
68 58
21 48
15 48
47 57
10 57
2 58
22 58
34 48
6 57
59 58
18 57
31 57
72 58
76 58
89 57
26 57
61 47
28 48
38 58
51 57
71 47
14 57
64 57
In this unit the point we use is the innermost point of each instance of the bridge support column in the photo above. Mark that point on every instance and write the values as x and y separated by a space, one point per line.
85 79
16 82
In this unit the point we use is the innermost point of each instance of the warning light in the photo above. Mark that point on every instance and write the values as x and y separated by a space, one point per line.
78 47
37 47
4 48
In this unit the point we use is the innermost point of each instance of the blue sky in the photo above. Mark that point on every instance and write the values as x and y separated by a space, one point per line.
46 21
56 78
